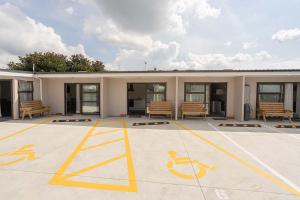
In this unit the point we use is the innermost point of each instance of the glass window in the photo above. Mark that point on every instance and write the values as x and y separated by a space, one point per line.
270 92
90 107
25 89
156 92
90 98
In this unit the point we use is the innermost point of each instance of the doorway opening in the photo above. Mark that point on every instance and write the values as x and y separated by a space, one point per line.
218 96
82 98
139 96
70 98
5 99
212 95
296 101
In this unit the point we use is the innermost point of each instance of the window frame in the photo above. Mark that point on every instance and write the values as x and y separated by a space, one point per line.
97 100
281 93
153 93
197 83
26 92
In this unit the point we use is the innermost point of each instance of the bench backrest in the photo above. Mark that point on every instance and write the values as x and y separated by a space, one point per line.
160 106
272 107
34 105
193 106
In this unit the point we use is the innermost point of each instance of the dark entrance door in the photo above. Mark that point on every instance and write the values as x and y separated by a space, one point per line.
296 101
5 99
218 96
70 98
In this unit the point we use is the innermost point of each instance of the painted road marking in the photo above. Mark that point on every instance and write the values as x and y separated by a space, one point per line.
24 129
279 131
175 160
255 158
26 152
261 172
62 178
221 194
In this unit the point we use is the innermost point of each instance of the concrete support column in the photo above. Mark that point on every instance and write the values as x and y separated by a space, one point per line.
102 98
288 96
298 100
15 99
77 98
176 99
239 98
41 90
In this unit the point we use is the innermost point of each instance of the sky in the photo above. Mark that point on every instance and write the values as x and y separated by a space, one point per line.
161 34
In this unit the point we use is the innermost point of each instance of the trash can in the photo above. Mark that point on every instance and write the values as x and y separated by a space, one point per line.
247 111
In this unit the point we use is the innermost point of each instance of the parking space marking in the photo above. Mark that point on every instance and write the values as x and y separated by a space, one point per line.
279 131
256 158
23 130
175 160
290 188
102 144
105 132
26 152
60 178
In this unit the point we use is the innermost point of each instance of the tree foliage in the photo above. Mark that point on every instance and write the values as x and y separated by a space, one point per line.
54 62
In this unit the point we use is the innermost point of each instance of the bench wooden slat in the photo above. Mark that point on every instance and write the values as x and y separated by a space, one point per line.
193 108
273 109
33 107
160 108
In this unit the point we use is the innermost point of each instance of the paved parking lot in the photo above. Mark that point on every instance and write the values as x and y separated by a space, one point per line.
111 159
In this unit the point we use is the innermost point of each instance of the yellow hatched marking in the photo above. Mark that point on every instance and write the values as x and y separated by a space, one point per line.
102 144
105 132
250 166
64 179
24 129
89 168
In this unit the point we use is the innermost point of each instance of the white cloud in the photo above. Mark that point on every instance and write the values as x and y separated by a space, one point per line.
20 34
70 10
107 31
145 16
160 55
220 61
285 35
228 44
249 45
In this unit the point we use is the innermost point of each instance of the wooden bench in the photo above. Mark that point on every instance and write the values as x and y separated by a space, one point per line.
193 108
33 107
160 108
273 109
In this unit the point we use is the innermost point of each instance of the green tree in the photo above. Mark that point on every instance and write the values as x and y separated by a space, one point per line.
53 62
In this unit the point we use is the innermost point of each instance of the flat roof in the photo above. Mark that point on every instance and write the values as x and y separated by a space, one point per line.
155 73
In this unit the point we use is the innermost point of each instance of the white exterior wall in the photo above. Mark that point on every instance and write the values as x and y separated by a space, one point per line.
252 82
239 93
117 92
53 92
230 90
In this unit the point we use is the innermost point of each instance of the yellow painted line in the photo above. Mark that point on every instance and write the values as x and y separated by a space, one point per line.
93 166
102 144
24 129
64 179
250 166
105 132
12 162
131 173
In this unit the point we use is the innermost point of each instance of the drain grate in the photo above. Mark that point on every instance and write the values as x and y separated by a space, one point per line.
241 125
72 120
149 123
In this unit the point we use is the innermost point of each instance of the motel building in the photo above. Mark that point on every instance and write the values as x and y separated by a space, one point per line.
109 94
